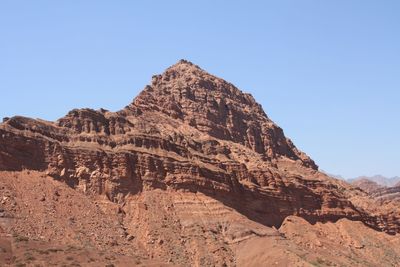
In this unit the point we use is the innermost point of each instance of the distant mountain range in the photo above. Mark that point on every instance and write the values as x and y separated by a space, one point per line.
379 187
379 179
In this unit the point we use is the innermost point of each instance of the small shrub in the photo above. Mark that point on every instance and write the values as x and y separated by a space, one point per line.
43 252
54 250
19 238
29 257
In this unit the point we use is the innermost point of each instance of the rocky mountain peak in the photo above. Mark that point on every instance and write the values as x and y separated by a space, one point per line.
187 80
184 63
214 106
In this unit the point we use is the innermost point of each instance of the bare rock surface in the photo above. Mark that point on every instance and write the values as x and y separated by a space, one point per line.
387 194
381 193
191 173
367 185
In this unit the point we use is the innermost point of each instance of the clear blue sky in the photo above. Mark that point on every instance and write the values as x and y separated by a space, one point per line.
328 72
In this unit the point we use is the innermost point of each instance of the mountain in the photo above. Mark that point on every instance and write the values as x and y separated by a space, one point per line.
379 179
191 173
385 194
367 185
378 191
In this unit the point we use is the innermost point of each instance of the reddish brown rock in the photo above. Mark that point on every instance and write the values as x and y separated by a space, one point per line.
378 192
187 130
189 138
367 185
387 194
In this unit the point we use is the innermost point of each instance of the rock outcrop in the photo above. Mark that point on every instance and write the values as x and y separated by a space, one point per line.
367 185
187 131
387 194
379 192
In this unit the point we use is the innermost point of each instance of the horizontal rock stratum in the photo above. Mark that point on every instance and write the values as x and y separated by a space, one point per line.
195 151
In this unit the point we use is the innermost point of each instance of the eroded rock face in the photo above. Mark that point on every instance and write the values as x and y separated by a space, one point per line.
387 194
187 131
44 221
381 193
367 185
217 108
